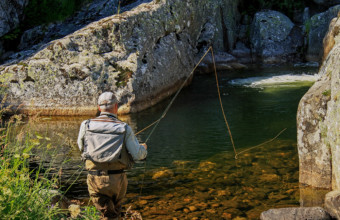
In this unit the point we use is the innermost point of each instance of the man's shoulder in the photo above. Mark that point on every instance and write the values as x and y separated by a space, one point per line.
83 122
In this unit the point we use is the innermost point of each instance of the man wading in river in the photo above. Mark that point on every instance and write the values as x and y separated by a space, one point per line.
109 147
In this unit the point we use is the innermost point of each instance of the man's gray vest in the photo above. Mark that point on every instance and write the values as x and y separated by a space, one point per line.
104 141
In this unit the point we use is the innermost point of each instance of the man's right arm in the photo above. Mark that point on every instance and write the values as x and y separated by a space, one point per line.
81 136
137 151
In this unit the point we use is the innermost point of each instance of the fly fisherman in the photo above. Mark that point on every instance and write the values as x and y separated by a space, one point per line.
109 147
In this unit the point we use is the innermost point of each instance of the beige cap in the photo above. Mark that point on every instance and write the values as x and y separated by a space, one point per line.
107 98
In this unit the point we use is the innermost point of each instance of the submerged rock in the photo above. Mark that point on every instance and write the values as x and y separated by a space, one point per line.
207 166
311 196
166 173
269 177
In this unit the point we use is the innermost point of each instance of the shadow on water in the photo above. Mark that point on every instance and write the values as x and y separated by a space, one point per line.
191 171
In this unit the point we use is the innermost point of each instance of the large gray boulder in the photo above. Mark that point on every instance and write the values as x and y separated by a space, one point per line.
310 213
314 155
224 38
318 126
317 28
274 38
143 55
34 38
11 12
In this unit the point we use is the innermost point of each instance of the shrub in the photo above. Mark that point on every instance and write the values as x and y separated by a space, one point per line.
23 191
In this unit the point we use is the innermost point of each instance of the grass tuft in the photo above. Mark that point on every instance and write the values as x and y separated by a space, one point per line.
28 192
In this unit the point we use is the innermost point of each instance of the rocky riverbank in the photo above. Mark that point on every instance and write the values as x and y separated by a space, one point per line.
318 136
145 53
318 130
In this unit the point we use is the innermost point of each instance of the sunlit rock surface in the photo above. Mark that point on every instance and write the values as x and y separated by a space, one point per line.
143 55
332 204
318 125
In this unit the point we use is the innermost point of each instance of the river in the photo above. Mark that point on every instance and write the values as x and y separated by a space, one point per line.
191 170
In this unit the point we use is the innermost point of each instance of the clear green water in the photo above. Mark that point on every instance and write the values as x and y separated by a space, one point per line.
194 128
191 171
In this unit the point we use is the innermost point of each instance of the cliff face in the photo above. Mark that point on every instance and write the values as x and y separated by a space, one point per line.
143 55
318 120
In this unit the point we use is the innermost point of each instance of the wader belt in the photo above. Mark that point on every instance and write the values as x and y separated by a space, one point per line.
105 172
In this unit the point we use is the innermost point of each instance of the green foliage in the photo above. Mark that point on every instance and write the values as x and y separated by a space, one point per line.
3 92
12 35
326 92
40 12
123 77
25 192
90 213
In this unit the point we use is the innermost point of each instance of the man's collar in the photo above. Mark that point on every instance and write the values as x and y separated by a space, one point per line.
108 114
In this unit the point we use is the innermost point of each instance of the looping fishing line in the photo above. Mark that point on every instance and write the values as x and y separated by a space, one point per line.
156 123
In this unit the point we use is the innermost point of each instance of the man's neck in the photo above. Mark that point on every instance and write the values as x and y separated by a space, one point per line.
109 114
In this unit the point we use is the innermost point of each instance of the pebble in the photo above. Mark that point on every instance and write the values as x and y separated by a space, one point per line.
239 218
226 215
186 210
143 202
192 208
163 174
232 191
215 205
212 211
